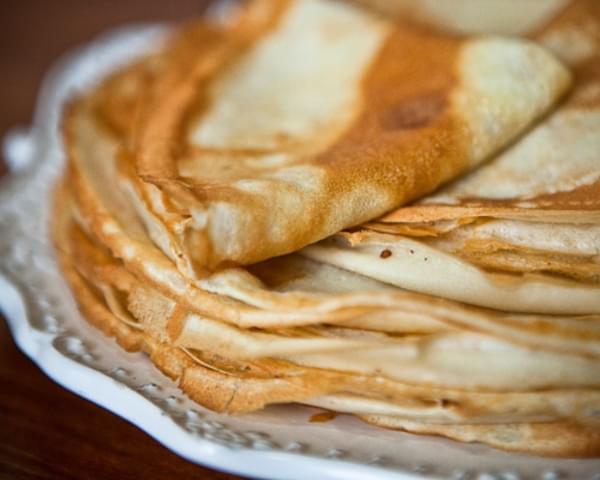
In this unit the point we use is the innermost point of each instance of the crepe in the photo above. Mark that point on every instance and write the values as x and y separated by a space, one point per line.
240 170
523 231
288 328
414 359
226 379
289 291
213 388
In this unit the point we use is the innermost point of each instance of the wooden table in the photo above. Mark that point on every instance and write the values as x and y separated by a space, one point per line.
45 431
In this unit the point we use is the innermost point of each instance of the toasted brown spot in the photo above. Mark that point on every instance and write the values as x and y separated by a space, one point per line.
385 253
446 403
414 112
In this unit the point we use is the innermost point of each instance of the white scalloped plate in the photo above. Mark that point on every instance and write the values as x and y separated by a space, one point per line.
278 442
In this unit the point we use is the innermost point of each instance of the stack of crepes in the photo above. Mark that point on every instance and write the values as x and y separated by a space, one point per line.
228 208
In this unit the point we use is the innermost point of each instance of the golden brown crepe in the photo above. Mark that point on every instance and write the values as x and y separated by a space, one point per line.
327 117
289 290
172 140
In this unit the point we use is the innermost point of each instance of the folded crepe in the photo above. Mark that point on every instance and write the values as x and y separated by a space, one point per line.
429 382
316 115
286 291
291 329
523 231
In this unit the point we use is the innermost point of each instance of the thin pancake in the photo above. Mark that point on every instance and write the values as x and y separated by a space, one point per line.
409 111
209 387
292 291
192 328
451 359
417 266
556 439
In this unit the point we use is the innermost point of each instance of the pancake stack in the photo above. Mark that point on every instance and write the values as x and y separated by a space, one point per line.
235 205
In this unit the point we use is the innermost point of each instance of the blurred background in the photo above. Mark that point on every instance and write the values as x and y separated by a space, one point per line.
34 33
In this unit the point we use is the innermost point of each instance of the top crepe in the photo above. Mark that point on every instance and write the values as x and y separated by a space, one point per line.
305 117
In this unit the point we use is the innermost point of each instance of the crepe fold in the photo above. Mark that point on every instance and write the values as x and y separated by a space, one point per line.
523 231
317 115
239 143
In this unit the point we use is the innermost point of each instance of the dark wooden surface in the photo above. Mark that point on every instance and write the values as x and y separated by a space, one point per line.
45 431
